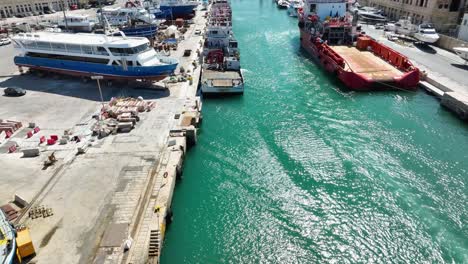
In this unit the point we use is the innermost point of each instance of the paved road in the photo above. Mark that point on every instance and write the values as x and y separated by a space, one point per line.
437 61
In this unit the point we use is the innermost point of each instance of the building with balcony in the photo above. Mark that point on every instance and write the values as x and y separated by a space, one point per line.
9 8
444 14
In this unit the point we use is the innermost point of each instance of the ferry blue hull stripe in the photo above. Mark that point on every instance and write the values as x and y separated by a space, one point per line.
97 69
141 31
177 10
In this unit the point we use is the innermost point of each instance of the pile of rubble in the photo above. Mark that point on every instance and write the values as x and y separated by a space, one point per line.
120 115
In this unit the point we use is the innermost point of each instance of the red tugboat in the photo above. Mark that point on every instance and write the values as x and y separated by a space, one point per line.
328 33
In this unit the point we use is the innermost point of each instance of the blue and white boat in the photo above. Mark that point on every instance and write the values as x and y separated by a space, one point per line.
173 9
7 241
294 6
133 21
83 54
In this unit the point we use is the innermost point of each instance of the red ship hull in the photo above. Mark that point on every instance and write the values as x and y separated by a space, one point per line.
371 67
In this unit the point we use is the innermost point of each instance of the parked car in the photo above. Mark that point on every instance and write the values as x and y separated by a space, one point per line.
14 91
19 16
73 7
5 41
87 6
390 27
379 26
392 37
197 32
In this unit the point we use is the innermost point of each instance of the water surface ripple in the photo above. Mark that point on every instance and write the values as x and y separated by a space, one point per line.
300 170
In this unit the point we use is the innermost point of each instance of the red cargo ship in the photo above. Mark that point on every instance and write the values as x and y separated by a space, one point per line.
327 33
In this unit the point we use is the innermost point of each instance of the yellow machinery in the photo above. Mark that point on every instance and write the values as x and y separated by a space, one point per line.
24 244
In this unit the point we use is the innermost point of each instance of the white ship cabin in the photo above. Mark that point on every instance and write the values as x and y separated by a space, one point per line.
220 22
325 8
218 32
76 20
79 22
93 48
122 16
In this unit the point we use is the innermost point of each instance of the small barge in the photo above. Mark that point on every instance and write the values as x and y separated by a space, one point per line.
84 55
221 72
367 65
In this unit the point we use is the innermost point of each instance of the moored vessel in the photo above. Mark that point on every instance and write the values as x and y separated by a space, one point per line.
221 72
368 65
294 7
78 23
132 20
83 54
173 9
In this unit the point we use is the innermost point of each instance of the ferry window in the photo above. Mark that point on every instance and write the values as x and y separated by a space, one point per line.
58 46
73 48
43 45
121 51
313 8
87 49
101 50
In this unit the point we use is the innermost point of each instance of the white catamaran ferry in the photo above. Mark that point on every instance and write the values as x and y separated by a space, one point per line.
83 54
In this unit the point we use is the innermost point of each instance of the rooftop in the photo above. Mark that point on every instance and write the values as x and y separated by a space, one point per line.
82 38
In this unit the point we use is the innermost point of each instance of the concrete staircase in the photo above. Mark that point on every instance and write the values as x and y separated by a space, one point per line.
154 243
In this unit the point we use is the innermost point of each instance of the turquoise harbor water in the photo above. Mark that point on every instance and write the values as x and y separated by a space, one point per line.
300 170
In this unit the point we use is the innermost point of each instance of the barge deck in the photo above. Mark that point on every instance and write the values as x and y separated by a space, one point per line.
367 64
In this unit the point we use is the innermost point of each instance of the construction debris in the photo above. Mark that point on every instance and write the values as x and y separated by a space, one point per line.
40 211
9 127
120 115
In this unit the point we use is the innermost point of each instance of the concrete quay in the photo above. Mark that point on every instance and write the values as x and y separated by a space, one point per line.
110 204
444 72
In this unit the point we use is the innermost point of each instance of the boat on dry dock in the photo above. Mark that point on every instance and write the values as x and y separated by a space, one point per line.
327 33
221 72
7 241
83 54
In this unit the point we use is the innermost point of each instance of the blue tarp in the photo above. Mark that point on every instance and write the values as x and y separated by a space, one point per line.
170 41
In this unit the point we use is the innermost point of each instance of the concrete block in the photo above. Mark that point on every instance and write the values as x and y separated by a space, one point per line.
30 152
20 201
82 149
125 125
456 102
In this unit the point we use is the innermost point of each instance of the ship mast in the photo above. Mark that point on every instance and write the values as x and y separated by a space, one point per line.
64 15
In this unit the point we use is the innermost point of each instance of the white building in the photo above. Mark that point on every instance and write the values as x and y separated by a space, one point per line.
9 8
463 30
